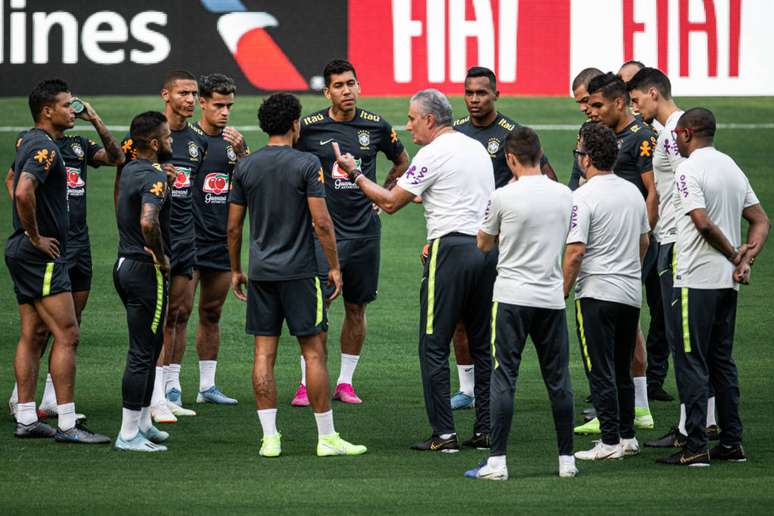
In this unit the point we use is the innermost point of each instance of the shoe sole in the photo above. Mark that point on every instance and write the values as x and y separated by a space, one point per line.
348 402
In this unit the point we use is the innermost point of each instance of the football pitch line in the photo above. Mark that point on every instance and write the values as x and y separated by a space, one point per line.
255 128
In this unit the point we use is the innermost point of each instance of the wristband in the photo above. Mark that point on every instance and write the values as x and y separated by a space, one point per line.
354 174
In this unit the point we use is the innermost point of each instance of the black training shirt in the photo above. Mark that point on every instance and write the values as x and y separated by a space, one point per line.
635 153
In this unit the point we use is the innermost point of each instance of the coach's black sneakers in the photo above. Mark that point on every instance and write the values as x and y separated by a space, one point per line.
436 443
731 454
36 430
81 435
657 392
672 439
713 433
686 458
480 441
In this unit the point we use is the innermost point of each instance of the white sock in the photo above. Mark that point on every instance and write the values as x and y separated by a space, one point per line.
49 394
303 371
157 398
681 424
14 394
324 423
268 418
496 461
711 412
166 378
348 365
173 381
26 413
566 460
145 419
129 424
467 378
207 374
445 436
641 392
66 413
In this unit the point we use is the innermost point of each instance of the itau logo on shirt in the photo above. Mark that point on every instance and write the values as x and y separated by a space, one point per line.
216 183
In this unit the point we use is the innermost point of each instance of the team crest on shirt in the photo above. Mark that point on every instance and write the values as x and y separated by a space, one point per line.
230 154
364 138
193 150
493 146
77 149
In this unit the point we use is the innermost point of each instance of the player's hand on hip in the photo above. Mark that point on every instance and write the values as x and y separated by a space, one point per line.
346 161
334 280
47 245
236 140
163 262
239 280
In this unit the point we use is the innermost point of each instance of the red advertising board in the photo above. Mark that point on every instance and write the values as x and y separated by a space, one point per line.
402 46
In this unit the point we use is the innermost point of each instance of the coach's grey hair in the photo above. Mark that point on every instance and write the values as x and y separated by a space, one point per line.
433 102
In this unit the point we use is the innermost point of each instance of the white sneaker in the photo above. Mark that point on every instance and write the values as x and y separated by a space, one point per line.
161 414
179 411
567 467
601 451
630 446
488 472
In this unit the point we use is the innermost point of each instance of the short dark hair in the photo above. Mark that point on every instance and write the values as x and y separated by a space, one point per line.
336 67
638 64
584 77
610 85
145 127
523 142
480 71
648 78
278 112
700 120
600 143
177 75
44 94
216 83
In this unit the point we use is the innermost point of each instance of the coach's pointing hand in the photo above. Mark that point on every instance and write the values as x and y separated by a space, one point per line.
346 161
238 279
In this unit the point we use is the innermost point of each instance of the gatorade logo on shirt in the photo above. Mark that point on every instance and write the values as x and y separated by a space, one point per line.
216 186
341 179
75 182
182 181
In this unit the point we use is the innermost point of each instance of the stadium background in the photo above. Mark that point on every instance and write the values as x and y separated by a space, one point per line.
104 50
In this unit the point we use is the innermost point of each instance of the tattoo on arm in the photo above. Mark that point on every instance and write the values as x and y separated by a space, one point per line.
113 155
26 204
151 229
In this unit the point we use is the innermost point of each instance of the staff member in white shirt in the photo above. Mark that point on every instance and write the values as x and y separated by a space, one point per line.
712 195
453 175
607 241
531 216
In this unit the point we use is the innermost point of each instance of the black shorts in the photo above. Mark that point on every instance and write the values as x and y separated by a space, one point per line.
79 268
650 258
212 256
298 302
36 280
182 259
359 261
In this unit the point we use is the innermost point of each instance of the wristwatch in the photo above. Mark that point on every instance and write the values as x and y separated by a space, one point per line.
354 174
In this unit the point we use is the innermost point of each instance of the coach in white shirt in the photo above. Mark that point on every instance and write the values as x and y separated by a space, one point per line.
712 195
453 176
607 241
531 218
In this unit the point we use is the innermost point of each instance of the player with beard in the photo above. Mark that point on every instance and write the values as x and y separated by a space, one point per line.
225 145
609 105
189 146
580 93
141 275
35 256
358 228
78 153
489 127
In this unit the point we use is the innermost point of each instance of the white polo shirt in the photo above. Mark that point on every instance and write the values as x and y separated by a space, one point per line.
666 158
532 218
711 180
453 175
609 216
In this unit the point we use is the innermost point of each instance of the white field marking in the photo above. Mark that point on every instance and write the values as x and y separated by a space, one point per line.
255 128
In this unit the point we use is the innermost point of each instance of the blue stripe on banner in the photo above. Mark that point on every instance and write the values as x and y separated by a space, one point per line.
223 6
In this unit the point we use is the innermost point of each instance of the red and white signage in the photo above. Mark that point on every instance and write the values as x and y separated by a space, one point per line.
707 47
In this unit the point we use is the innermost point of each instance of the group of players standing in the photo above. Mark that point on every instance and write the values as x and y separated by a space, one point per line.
497 224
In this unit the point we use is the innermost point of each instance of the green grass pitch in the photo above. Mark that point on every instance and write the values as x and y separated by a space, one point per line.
213 462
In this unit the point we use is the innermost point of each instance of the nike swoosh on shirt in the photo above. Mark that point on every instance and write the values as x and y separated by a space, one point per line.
324 142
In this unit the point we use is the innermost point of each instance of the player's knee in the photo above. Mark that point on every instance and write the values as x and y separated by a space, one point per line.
355 313
209 315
